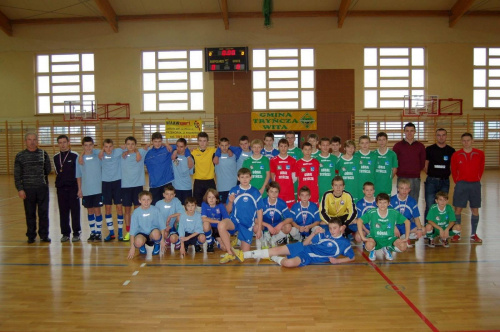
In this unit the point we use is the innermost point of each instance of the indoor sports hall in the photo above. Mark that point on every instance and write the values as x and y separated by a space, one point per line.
110 69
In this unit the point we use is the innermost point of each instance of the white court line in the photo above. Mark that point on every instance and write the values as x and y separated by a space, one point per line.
126 282
135 273
6 199
143 264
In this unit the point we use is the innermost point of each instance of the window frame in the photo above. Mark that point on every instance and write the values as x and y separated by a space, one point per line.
486 88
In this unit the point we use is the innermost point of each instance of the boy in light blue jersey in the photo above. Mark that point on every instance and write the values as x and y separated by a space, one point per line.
170 207
321 246
408 207
245 205
305 215
190 227
276 217
268 150
133 179
364 205
146 228
183 166
88 177
212 213
225 170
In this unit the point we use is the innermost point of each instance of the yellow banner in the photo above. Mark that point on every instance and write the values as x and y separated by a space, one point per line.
284 120
182 128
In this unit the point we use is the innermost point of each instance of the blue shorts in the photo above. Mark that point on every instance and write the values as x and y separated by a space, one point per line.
191 241
149 242
130 196
402 229
245 234
298 250
92 201
112 192
467 191
173 230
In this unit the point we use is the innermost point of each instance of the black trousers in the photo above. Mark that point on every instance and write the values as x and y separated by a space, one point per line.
37 198
200 187
69 203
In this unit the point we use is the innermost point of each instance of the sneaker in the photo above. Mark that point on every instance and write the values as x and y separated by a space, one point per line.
75 238
444 243
413 236
410 245
210 247
429 242
475 239
227 258
46 239
65 238
98 238
281 241
120 234
109 238
197 248
126 238
372 256
91 238
234 241
142 250
31 240
456 238
387 254
156 249
239 255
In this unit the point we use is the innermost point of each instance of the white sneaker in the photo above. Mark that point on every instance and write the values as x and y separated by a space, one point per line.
387 254
372 256
413 236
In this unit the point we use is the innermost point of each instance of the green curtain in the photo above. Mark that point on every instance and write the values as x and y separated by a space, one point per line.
267 8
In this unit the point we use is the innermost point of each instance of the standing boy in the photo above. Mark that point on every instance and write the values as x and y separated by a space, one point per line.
293 151
313 139
204 169
327 163
269 151
336 144
347 167
282 171
225 170
258 164
307 172
183 165
386 164
366 167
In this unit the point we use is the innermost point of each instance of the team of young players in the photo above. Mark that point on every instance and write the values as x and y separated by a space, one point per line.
257 206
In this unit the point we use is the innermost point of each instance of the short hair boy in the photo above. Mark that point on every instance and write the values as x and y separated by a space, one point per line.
338 203
336 144
183 166
268 150
305 215
170 208
293 151
225 170
282 171
327 163
441 221
259 166
347 167
276 217
365 204
386 164
307 172
190 227
313 139
366 166
212 213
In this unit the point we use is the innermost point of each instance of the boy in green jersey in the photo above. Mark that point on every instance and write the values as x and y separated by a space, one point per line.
366 164
347 167
386 164
313 139
441 221
382 222
259 166
327 163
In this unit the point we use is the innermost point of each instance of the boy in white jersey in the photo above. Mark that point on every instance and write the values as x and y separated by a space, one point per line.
441 221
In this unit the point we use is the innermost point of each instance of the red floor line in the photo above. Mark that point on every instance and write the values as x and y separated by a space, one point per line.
401 294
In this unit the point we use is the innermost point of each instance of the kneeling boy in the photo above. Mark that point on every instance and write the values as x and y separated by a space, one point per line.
319 247
441 223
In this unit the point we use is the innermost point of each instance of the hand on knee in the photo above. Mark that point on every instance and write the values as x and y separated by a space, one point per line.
401 245
370 244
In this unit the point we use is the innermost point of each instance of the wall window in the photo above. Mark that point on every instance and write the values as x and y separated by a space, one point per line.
392 73
393 129
487 130
486 77
48 135
63 77
172 81
283 79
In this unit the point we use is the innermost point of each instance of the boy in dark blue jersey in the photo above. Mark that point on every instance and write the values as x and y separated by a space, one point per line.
319 247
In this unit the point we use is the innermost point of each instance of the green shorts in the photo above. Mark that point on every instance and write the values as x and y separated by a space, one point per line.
435 233
381 242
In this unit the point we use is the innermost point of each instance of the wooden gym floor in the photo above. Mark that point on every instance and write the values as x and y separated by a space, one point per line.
82 286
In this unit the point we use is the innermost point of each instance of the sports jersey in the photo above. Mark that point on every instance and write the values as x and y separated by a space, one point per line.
203 165
333 206
326 172
133 170
384 163
182 173
441 218
269 154
218 212
112 166
273 214
366 170
144 221
226 172
244 155
381 227
283 169
439 161
296 153
305 215
90 173
316 154
245 206
169 208
362 206
348 170
190 224
307 172
467 167
159 166
407 207
259 168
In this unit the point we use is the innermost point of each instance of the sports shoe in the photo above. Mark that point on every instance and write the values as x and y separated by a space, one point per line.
387 254
98 238
46 239
126 238
227 258
280 242
65 238
456 238
75 238
197 248
429 242
142 249
156 249
239 255
109 238
475 239
444 243
234 241
31 240
91 237
210 247
413 236
372 256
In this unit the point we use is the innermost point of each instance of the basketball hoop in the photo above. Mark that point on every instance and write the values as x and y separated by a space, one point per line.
418 105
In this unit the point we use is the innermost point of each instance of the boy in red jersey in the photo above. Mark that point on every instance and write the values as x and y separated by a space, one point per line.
307 171
467 167
282 171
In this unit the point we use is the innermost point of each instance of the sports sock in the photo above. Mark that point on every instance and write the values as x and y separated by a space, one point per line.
91 219
208 236
109 223
277 237
127 227
474 221
263 253
98 222
429 234
295 234
458 218
120 221
277 259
